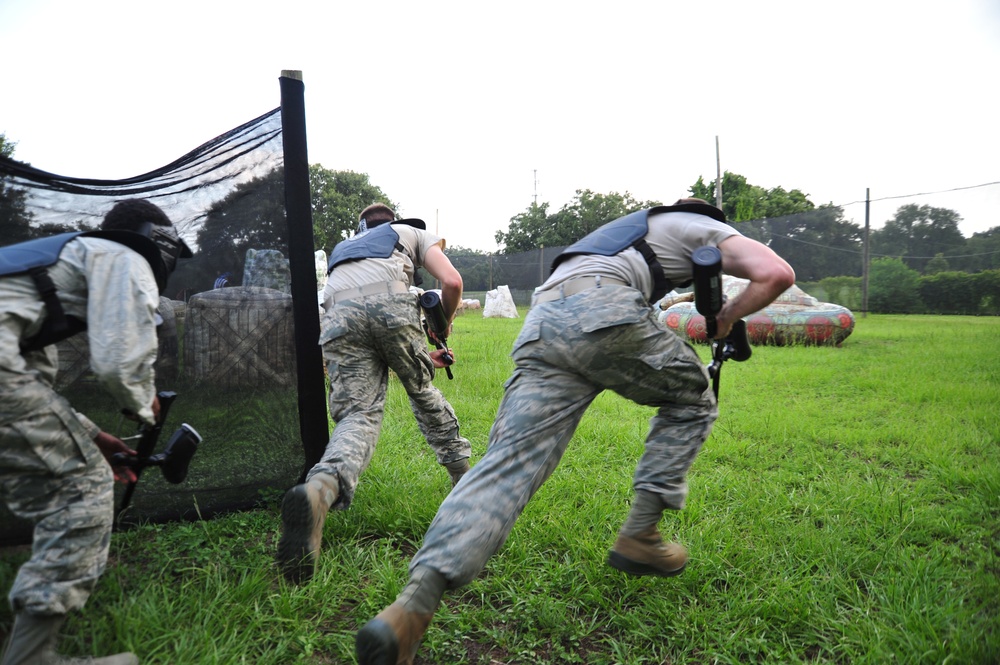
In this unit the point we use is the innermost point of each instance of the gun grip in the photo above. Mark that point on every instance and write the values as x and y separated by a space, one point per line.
740 342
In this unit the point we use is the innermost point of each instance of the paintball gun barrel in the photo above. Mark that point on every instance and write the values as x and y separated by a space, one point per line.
435 321
708 300
173 461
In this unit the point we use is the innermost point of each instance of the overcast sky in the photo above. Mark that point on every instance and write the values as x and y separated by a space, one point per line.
464 112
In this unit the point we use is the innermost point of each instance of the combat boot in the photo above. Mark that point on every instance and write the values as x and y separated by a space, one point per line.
33 642
645 553
457 469
303 514
392 637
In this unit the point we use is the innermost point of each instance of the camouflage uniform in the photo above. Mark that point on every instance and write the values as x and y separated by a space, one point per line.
363 338
567 353
570 350
51 471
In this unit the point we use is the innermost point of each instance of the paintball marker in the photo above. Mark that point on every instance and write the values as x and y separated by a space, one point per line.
708 300
435 321
174 459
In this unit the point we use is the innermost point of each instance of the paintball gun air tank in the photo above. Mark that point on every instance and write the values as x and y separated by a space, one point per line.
435 321
708 300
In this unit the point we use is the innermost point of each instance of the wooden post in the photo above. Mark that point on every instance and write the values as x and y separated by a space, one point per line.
866 255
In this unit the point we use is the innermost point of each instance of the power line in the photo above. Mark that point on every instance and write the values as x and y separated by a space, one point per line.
907 196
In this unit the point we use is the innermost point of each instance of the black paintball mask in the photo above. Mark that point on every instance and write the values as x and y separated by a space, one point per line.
171 246
161 246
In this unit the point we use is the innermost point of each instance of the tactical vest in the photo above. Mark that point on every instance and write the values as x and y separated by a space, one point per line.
33 258
376 243
630 231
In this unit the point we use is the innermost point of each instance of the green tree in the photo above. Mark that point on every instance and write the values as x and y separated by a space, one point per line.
337 199
252 216
918 233
936 265
535 228
817 242
15 218
893 287
982 252
473 265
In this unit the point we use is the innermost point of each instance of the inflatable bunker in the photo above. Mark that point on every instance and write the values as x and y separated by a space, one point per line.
794 318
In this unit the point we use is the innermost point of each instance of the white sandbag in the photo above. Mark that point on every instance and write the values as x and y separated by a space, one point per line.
500 304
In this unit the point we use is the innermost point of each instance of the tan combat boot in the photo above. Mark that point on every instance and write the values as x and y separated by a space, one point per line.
303 514
33 642
646 554
457 469
392 637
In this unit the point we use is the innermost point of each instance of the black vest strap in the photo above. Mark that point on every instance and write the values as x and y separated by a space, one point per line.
661 285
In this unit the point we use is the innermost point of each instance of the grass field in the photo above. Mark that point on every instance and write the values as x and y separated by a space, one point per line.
845 510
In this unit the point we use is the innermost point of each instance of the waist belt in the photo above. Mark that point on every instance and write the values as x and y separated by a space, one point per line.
576 285
373 289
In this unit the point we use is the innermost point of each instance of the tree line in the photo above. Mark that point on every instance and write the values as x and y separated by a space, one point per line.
816 240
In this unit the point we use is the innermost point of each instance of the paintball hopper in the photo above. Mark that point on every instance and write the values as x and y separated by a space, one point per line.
430 301
436 321
707 273
173 461
706 264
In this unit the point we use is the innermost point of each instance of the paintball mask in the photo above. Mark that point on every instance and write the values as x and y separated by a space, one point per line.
171 246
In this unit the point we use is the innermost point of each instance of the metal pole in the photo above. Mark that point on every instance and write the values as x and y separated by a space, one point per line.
313 420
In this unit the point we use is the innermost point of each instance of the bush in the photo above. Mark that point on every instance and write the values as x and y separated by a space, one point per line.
893 287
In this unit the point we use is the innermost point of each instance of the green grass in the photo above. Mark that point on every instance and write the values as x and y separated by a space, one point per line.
846 509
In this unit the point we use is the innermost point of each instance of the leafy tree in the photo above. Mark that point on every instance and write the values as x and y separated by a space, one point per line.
15 219
337 198
817 242
982 252
918 233
252 216
893 287
535 228
936 265
473 265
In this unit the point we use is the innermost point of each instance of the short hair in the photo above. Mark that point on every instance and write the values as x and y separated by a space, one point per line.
377 212
692 200
130 214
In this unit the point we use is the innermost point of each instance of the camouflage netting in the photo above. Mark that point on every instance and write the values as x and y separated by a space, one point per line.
226 345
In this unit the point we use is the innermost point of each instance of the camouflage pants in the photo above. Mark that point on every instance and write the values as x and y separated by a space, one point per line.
53 475
362 340
569 351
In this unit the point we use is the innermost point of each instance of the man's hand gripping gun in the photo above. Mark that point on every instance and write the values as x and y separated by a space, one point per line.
435 321
708 300
174 459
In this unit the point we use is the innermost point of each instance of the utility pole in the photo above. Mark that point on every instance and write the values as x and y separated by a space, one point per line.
865 255
718 176
536 187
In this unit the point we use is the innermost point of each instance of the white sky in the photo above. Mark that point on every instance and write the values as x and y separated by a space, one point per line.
452 108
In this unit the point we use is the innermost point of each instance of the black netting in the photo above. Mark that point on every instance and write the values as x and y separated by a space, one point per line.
227 343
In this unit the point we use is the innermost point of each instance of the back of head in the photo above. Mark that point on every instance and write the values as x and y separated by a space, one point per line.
375 215
147 219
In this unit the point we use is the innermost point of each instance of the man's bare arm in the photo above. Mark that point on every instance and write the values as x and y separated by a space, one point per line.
769 275
440 267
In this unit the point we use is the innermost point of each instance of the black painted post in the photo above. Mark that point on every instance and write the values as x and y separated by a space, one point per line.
313 421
